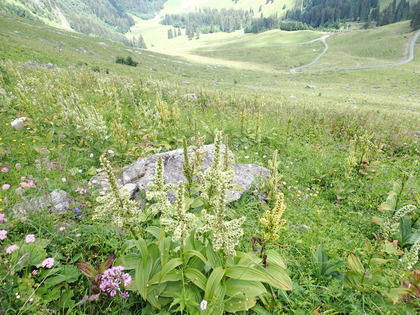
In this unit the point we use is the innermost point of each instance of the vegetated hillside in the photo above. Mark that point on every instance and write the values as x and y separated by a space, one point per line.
330 13
103 18
334 229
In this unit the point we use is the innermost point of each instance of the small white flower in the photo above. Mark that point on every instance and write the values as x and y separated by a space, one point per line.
264 156
80 171
99 170
91 155
246 156
246 148
111 152
203 305
63 179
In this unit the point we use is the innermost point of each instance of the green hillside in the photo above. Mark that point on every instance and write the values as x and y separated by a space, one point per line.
333 229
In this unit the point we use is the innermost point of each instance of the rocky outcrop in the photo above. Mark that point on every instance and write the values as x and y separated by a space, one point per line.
136 176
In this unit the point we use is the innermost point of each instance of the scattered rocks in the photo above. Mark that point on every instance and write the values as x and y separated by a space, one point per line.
190 96
57 201
310 86
19 123
302 226
141 172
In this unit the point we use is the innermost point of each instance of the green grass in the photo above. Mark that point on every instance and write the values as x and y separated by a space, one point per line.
310 128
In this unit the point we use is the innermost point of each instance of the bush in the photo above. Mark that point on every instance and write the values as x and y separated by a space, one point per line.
127 61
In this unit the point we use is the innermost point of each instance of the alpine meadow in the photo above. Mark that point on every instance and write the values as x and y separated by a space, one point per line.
210 157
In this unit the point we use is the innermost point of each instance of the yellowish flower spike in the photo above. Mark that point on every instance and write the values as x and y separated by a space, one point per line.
272 220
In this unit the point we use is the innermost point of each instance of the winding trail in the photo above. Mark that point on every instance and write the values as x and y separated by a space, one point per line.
409 59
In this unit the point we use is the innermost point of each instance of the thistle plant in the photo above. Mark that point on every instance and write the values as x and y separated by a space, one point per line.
226 234
181 223
158 191
117 204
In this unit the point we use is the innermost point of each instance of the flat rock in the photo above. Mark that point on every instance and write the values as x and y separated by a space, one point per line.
57 201
142 172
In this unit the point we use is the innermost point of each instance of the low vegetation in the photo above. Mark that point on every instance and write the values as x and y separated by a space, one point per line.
333 229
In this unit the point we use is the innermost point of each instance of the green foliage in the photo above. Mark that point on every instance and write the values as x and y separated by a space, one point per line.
126 61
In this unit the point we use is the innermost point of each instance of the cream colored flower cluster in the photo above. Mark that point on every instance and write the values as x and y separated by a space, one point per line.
158 191
226 234
117 204
219 175
272 220
182 222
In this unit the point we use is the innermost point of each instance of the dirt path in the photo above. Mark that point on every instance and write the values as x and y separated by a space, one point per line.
409 59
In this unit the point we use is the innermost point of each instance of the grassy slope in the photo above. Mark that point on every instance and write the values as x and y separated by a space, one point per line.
308 127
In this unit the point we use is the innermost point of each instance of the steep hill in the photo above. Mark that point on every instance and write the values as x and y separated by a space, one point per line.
103 18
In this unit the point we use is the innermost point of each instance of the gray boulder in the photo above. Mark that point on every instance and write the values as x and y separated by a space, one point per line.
57 201
142 172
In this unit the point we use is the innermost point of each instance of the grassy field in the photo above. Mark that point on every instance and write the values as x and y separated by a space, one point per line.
341 145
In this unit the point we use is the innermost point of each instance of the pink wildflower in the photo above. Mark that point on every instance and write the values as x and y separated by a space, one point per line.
3 234
78 235
22 219
2 218
18 166
48 263
34 272
4 170
11 249
23 178
5 187
112 278
62 229
30 238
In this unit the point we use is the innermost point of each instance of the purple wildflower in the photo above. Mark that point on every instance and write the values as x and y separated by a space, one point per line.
112 278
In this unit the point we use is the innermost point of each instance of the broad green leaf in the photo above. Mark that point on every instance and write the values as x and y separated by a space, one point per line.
247 273
351 279
144 252
142 275
273 257
164 248
355 263
169 266
250 289
48 137
154 230
377 220
248 259
196 277
239 303
129 261
379 261
368 245
197 203
212 283
395 293
214 258
191 253
68 274
280 278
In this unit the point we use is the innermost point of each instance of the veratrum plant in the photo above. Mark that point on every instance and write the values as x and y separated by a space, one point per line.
168 277
322 268
177 272
117 204
362 150
87 120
